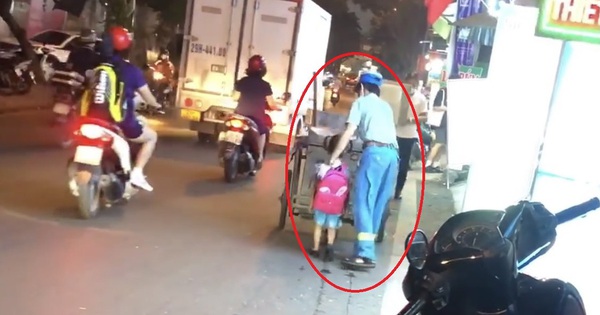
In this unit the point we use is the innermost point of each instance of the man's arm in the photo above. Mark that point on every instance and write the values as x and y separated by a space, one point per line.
269 96
421 109
140 85
352 123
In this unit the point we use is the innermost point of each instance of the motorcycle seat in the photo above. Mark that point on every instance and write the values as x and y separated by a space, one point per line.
253 126
102 123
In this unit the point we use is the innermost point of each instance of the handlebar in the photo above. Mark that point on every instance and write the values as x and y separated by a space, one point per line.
577 211
414 307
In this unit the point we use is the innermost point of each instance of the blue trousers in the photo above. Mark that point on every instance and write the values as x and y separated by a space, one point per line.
373 188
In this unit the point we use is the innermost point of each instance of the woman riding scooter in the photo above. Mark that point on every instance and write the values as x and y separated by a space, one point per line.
251 93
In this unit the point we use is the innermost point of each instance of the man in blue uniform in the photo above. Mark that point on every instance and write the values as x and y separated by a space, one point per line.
374 180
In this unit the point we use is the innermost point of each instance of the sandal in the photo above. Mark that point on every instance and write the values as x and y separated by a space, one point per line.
358 263
314 253
433 169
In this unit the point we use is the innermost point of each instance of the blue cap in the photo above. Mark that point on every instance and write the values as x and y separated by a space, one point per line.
370 77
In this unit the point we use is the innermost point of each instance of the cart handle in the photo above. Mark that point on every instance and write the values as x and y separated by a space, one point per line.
328 139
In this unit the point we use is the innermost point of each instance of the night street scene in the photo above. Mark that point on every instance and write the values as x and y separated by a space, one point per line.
210 157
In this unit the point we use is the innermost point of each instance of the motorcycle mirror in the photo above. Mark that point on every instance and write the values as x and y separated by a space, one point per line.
417 253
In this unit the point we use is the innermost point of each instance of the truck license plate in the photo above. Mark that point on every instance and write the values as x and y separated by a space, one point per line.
190 114
61 108
232 137
88 155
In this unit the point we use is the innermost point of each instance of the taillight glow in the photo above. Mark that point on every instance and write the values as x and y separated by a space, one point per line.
236 124
188 102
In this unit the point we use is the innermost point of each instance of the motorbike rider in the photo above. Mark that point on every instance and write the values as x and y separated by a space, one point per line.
373 118
165 66
84 57
115 48
252 93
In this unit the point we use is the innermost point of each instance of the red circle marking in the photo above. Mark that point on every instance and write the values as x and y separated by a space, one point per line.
287 179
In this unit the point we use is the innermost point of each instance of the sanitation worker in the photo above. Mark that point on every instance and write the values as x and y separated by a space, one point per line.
375 177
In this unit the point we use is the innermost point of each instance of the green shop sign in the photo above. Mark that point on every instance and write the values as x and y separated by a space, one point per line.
466 72
573 20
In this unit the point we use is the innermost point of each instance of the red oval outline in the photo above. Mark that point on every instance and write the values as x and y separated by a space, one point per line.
287 184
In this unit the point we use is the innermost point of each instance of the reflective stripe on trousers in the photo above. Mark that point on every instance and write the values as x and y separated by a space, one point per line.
373 188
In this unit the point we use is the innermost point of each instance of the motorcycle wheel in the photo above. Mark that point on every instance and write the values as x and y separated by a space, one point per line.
283 213
21 86
89 199
231 166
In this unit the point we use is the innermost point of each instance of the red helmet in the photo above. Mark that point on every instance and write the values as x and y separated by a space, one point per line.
257 65
120 38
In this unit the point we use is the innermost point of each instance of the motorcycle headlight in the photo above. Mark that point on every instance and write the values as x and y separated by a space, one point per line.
158 76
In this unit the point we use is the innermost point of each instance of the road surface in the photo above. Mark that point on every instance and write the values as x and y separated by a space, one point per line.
194 246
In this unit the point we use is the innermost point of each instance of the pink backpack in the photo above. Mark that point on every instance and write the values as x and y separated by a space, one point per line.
332 191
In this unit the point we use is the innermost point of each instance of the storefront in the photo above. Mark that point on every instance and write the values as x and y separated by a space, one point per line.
538 114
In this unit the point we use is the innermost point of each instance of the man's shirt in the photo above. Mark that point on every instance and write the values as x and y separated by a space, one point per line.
374 119
409 130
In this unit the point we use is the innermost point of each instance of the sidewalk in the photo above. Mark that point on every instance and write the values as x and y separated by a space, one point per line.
40 97
438 206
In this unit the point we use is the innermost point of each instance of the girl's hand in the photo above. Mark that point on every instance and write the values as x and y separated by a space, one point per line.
335 162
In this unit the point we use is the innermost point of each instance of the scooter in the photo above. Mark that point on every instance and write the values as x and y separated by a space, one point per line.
98 172
472 264
238 146
16 76
427 141
335 96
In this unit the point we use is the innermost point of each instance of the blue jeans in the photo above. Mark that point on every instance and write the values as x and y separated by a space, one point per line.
373 188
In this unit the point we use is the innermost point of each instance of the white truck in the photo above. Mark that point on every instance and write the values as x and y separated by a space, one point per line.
220 36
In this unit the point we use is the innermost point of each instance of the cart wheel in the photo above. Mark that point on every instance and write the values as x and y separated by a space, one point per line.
381 232
283 214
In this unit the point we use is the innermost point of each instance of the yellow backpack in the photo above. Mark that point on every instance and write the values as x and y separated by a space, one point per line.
105 91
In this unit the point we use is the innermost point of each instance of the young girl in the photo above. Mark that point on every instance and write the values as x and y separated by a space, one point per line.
329 202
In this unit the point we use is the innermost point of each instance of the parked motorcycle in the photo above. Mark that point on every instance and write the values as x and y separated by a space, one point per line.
69 86
16 76
472 264
97 176
426 136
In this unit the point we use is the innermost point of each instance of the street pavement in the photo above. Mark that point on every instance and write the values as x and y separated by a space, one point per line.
195 245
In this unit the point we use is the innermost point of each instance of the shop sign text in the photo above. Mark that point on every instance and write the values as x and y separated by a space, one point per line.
574 20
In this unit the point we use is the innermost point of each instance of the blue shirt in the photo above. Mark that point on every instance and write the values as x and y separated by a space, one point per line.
374 119
133 79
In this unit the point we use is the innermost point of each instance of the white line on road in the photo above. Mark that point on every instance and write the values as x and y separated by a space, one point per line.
54 223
